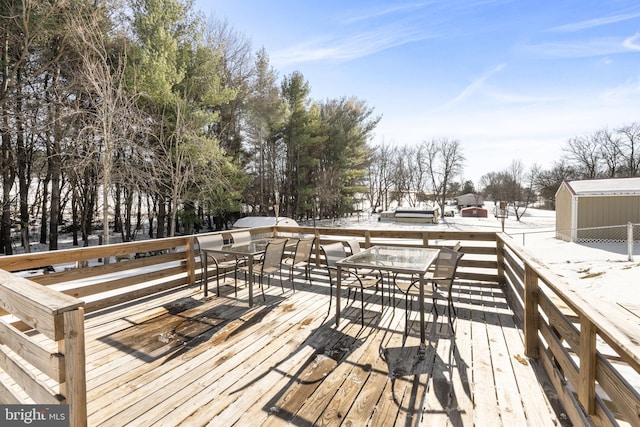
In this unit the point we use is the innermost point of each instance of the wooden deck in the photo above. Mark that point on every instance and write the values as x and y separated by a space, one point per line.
178 359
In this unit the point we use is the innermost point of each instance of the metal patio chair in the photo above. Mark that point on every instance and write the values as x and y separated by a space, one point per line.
441 279
333 252
221 261
269 264
300 258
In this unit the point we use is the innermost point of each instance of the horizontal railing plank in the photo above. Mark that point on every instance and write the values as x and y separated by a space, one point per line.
35 305
28 382
51 364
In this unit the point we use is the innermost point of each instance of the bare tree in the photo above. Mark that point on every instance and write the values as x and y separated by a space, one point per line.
403 175
630 147
547 182
520 187
379 178
584 153
610 151
444 160
113 109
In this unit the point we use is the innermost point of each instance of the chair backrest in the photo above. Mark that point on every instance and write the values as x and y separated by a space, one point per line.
303 249
209 241
273 253
240 237
333 252
445 267
354 246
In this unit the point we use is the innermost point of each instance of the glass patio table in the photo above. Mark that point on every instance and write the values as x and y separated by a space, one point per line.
249 250
393 259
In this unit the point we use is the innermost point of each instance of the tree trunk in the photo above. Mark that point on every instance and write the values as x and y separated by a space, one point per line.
74 216
151 212
56 170
162 217
117 209
23 173
7 183
44 218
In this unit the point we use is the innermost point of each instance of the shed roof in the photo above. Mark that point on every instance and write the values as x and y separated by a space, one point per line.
608 186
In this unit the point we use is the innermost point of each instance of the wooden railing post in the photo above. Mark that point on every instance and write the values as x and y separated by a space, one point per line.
587 386
500 259
75 385
367 239
530 312
425 239
191 261
317 246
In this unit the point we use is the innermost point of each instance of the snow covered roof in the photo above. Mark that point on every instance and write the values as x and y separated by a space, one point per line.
470 199
263 221
608 186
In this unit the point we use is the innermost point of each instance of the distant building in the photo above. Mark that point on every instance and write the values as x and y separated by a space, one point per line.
429 215
475 212
469 200
584 205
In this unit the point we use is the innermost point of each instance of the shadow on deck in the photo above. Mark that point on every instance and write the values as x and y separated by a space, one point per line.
179 359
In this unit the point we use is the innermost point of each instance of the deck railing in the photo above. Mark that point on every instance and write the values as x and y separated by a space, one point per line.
47 367
588 350
81 281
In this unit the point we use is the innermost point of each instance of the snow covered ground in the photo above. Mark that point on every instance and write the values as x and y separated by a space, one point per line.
601 270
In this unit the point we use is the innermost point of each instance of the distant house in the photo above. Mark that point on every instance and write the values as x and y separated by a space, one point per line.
469 200
584 205
475 212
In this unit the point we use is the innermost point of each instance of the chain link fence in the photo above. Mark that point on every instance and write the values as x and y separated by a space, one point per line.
624 237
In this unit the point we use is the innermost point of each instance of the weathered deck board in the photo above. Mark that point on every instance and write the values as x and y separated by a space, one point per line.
184 360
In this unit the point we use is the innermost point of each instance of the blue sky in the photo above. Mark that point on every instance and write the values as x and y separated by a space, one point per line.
512 80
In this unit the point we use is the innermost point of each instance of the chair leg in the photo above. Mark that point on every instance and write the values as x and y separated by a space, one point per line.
406 316
281 281
361 305
280 276
435 307
203 275
307 273
451 309
217 283
205 280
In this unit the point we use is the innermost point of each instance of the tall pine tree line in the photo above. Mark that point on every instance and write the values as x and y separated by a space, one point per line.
144 117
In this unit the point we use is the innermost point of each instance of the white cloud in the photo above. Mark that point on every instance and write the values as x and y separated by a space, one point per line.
473 87
596 22
626 92
581 48
407 7
631 42
348 47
